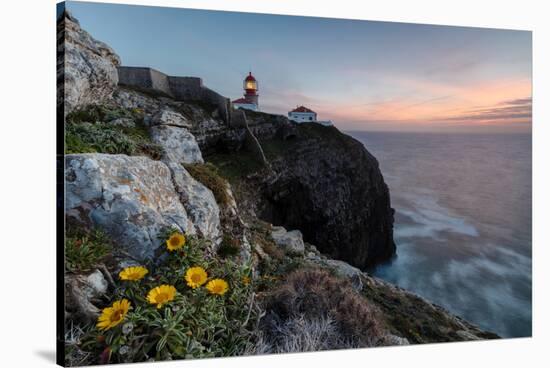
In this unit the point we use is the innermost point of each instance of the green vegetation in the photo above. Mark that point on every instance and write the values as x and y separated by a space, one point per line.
208 175
196 321
235 165
229 246
90 130
83 250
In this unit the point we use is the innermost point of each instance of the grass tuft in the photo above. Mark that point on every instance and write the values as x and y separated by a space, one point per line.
84 250
208 175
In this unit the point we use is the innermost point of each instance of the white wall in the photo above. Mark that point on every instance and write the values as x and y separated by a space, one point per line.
246 106
301 117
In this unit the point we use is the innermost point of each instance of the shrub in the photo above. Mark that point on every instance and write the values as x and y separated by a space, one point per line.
229 246
299 334
316 296
83 249
102 113
208 175
98 137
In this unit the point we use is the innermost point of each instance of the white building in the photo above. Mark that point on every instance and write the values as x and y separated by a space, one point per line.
302 114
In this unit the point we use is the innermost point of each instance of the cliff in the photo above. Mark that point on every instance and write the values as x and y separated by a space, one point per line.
322 182
280 212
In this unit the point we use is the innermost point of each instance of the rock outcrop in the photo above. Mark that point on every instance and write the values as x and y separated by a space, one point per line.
198 201
327 185
82 291
133 199
86 66
179 145
290 241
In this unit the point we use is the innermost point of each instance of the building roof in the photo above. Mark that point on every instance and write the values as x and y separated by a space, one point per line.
303 109
242 100
250 77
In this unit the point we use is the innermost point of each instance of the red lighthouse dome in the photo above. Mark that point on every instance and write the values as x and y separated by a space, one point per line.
250 84
250 98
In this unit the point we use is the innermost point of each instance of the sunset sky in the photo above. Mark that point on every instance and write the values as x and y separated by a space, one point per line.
363 75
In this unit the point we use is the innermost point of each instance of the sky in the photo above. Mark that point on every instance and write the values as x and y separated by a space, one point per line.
362 75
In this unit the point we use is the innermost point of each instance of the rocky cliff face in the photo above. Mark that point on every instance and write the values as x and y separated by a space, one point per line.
322 182
331 188
86 69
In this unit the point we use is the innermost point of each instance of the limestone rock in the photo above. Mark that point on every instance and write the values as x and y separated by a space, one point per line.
130 99
179 144
87 67
82 291
344 270
199 202
168 117
131 198
291 241
391 340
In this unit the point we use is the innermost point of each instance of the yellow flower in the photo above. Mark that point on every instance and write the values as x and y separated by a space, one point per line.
112 316
133 273
217 286
246 280
195 277
161 295
175 241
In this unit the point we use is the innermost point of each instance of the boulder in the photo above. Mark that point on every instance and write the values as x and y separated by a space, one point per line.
199 202
343 269
87 68
131 198
169 117
290 241
179 144
82 291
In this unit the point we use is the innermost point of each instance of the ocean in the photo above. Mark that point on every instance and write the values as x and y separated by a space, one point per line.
462 222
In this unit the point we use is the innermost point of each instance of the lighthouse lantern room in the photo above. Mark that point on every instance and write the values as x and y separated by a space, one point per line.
250 99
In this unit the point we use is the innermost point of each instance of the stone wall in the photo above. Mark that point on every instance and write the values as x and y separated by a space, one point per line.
180 88
144 78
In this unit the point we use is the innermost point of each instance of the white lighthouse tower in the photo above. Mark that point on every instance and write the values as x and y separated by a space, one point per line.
250 99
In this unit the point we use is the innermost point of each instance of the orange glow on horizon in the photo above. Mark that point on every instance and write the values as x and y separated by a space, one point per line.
452 103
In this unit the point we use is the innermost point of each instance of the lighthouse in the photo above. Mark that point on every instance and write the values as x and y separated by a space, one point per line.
250 99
